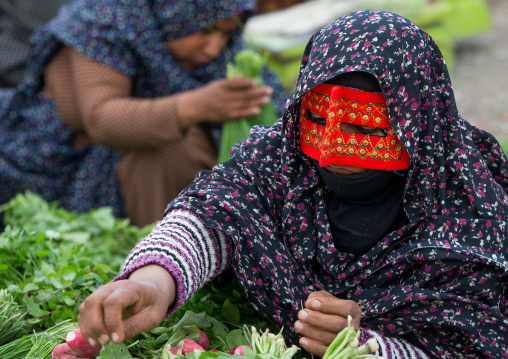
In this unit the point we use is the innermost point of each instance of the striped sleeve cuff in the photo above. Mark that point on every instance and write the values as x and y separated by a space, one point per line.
193 253
393 348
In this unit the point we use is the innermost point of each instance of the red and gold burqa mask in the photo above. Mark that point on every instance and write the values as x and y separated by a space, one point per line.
331 145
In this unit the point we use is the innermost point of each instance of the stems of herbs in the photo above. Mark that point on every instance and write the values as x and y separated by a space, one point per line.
369 347
11 318
269 343
346 345
338 343
37 345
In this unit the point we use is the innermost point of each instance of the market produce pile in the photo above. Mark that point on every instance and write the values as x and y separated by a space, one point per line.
51 259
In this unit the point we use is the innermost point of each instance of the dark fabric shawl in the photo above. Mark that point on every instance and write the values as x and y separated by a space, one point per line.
36 150
440 281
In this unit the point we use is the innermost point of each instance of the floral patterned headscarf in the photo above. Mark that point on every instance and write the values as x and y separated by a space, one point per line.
130 36
439 281
182 18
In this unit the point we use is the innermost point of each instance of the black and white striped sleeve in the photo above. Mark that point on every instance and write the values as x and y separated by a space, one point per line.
193 253
392 347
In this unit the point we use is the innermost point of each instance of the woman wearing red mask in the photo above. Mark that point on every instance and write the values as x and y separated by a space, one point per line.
371 197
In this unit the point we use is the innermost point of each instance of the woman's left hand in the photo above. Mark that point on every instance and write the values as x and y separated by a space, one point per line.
323 317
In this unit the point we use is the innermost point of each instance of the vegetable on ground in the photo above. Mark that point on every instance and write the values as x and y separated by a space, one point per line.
188 346
80 345
239 350
61 350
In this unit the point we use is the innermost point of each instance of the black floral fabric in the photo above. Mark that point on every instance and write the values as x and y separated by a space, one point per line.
439 282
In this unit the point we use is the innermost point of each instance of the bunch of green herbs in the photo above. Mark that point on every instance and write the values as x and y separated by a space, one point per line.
38 345
247 63
12 324
109 239
51 259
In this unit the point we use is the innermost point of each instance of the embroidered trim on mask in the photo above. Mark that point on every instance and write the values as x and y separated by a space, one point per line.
331 145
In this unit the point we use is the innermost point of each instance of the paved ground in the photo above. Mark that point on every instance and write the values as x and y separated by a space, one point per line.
480 75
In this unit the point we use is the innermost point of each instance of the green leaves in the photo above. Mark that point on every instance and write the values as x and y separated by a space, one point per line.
34 309
230 311
235 338
51 259
11 318
115 351
48 276
107 238
248 63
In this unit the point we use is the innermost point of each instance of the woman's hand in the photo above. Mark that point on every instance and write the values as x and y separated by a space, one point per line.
119 310
222 100
322 319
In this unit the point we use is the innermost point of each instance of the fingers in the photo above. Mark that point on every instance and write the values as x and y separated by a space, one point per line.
332 306
323 336
120 310
320 294
248 105
319 326
141 313
313 347
91 314
239 97
239 83
115 306
225 100
323 317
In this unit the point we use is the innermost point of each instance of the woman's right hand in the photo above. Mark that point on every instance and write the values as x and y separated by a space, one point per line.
222 100
120 310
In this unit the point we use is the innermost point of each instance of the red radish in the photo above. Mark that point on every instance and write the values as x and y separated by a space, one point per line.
188 346
80 345
213 351
238 350
203 340
70 356
172 352
60 350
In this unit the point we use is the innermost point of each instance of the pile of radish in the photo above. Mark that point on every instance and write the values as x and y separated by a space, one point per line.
187 345
76 347
345 346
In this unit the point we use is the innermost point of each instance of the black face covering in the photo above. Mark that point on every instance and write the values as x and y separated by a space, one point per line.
363 208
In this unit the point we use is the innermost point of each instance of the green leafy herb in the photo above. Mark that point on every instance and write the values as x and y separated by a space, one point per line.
247 63
51 259
37 345
12 324
115 351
